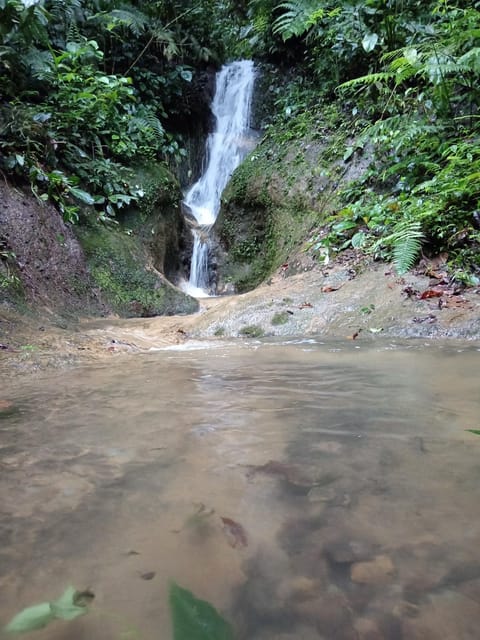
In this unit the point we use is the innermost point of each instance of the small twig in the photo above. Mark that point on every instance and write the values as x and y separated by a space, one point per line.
152 38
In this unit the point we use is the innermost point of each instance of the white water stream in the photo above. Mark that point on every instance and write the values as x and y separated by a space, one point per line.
225 149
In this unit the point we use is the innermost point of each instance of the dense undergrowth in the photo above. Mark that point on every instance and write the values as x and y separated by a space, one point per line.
393 83
93 88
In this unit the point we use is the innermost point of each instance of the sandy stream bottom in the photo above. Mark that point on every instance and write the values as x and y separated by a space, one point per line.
348 467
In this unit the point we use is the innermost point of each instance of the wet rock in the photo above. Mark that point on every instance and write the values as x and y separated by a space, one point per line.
348 551
331 613
380 570
461 573
322 494
406 610
368 629
418 588
298 588
447 615
256 600
302 632
414 631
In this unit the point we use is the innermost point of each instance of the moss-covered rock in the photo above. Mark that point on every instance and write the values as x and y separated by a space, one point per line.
260 222
119 264
131 262
158 221
285 188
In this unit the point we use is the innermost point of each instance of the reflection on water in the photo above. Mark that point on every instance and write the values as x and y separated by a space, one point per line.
348 468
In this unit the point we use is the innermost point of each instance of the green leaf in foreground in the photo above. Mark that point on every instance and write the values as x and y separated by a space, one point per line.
195 619
70 605
475 431
31 618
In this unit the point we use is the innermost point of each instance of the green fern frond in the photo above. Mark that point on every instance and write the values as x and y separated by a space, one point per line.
148 122
127 17
297 18
406 242
165 39
73 34
64 10
470 61
371 78
130 17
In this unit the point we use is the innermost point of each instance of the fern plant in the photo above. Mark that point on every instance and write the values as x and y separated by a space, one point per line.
405 242
297 17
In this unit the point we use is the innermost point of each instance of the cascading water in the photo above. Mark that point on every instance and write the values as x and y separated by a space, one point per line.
225 149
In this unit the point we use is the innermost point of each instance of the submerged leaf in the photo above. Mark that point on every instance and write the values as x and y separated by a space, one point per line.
31 618
195 619
70 605
235 533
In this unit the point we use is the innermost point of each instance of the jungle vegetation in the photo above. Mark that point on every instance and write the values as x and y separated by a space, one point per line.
91 88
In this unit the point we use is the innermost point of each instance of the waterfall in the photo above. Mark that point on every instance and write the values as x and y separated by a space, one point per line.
225 149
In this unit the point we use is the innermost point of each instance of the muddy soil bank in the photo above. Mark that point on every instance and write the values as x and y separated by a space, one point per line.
361 302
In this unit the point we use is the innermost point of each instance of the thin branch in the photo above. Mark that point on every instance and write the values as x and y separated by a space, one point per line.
152 38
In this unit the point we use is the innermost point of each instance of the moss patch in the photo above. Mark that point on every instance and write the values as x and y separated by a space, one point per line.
117 260
252 331
281 317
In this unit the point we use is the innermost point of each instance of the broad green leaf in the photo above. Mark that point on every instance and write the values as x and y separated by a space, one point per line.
31 618
82 195
369 41
359 239
195 619
475 431
41 117
186 75
344 225
411 55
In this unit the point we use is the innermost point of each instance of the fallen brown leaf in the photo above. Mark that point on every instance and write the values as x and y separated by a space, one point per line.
431 293
235 533
329 289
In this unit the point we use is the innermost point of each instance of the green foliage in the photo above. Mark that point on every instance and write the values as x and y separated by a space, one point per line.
116 260
252 331
408 78
88 89
297 17
195 619
405 241
69 606
8 277
281 317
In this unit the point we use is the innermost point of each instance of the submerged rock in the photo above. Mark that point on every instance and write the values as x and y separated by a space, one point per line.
380 570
